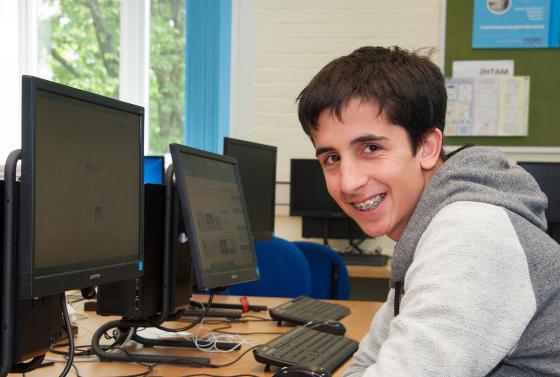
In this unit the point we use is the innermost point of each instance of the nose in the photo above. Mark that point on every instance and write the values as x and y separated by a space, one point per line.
352 178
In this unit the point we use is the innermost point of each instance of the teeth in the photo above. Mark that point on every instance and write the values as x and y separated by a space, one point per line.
370 204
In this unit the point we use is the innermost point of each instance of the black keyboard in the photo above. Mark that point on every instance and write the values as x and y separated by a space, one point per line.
303 309
364 259
305 346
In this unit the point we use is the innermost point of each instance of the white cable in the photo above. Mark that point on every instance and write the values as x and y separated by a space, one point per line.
76 360
203 338
208 342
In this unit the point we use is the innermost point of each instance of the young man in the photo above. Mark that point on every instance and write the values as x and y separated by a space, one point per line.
475 282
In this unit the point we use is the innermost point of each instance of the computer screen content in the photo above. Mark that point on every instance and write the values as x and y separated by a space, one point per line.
82 189
154 169
215 217
547 175
257 168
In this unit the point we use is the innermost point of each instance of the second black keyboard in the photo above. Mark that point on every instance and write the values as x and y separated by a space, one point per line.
303 309
305 346
364 259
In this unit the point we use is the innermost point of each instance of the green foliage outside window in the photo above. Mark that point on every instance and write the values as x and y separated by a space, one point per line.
167 72
81 42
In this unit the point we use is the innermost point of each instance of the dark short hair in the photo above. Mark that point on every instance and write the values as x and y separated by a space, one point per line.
408 86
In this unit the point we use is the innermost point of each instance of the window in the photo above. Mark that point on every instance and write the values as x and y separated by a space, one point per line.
79 43
133 50
167 74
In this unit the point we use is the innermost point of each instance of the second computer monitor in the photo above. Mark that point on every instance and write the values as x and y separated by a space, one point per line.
309 198
215 217
308 191
257 167
154 169
547 175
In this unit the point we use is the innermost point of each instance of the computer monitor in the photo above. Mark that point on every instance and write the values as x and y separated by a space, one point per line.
154 169
257 168
75 219
547 175
309 198
308 191
81 210
215 217
143 297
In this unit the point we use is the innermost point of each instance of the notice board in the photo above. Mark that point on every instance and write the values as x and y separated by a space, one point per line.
542 65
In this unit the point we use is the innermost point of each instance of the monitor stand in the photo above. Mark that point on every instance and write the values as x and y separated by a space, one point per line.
224 346
7 295
125 328
212 313
182 343
355 246
230 310
129 326
27 326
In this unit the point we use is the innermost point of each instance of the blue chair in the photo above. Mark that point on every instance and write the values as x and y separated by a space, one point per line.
329 276
283 268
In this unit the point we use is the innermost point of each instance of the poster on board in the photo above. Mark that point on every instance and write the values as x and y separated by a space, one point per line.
516 24
487 105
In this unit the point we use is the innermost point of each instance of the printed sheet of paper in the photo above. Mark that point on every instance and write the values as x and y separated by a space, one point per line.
459 106
487 106
514 106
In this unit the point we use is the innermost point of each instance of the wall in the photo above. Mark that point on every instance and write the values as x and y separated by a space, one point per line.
294 39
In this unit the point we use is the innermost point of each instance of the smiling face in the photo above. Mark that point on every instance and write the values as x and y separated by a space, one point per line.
370 168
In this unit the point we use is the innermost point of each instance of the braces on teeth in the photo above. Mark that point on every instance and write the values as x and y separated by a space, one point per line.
370 204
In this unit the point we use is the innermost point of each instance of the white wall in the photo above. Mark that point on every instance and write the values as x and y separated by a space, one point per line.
296 38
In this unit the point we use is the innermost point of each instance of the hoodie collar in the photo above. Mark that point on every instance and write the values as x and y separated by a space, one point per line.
474 174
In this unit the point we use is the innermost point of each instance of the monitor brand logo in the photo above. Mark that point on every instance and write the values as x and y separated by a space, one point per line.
234 276
94 276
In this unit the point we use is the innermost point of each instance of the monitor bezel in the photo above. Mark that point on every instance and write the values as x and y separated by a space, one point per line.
37 283
228 142
222 279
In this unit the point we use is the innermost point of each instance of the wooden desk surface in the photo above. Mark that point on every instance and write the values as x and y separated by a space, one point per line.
357 325
369 272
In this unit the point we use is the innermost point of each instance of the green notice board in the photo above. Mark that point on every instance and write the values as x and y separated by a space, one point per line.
542 65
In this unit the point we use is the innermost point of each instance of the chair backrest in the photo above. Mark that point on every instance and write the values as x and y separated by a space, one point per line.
283 269
329 276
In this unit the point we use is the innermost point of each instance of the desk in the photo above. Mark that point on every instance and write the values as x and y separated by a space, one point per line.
357 325
369 272
370 283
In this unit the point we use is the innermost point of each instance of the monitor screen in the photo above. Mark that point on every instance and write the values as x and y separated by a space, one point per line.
215 217
308 191
257 167
82 189
547 175
154 169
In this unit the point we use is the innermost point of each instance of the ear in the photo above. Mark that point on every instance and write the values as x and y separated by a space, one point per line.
429 150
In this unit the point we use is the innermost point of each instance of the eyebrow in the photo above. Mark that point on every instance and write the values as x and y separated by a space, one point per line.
358 140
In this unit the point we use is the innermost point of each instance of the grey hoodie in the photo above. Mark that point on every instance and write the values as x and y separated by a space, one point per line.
475 280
